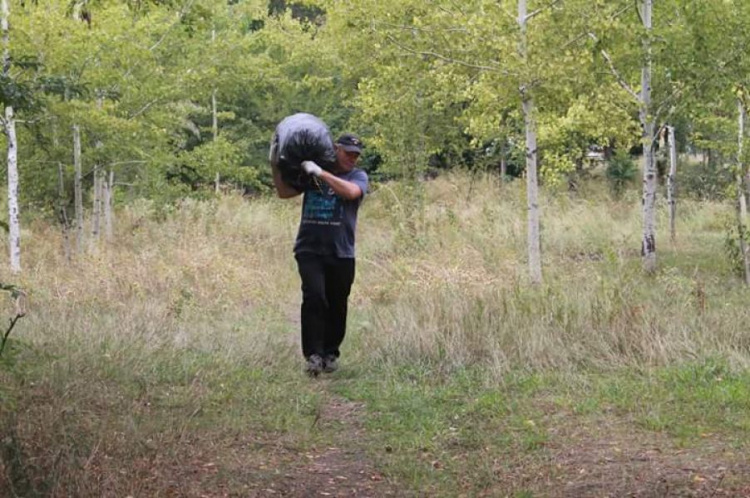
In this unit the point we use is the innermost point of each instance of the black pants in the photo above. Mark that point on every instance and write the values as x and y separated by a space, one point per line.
326 282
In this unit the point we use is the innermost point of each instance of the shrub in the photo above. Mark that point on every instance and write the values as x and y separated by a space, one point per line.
621 171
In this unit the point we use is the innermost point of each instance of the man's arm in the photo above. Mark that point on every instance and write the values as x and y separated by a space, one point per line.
344 189
283 190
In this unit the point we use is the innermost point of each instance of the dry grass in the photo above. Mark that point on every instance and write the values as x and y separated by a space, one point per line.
450 285
461 296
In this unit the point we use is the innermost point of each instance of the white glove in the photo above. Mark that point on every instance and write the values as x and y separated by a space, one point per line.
311 168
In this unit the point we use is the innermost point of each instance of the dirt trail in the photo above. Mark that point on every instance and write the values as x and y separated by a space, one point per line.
612 458
341 469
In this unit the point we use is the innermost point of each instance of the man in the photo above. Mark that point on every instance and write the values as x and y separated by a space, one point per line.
324 250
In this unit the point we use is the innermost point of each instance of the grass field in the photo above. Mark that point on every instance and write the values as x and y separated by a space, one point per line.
167 363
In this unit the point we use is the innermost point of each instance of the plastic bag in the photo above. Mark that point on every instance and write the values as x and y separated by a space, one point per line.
301 137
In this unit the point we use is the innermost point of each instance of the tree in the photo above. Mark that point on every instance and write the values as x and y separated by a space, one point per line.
645 114
474 63
532 184
9 126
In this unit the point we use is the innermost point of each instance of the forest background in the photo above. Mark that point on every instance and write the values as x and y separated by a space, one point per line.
513 333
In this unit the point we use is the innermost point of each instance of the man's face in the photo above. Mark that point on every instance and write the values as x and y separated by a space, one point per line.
346 160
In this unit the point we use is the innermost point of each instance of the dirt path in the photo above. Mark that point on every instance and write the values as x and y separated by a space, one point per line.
612 458
605 456
341 469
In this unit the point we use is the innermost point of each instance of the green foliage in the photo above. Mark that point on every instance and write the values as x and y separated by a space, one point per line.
704 180
139 79
621 172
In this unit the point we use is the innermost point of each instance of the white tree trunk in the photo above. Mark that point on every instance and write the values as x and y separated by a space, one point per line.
108 204
63 212
215 116
215 119
742 201
96 215
648 244
672 185
96 205
740 173
78 187
9 124
532 184
532 195
13 211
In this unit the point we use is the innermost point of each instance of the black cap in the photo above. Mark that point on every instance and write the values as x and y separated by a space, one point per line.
350 143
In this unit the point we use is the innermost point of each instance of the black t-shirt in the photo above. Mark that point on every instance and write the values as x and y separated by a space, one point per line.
329 222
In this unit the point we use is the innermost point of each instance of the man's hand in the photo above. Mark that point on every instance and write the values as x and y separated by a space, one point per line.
311 168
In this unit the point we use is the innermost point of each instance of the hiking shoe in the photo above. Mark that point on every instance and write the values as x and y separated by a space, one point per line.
314 365
330 364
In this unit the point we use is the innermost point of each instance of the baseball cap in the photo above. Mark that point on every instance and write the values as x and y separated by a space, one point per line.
350 143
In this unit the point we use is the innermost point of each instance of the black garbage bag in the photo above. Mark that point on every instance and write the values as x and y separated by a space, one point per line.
301 137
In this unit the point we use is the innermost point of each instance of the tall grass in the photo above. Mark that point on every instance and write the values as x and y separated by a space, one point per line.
219 276
462 297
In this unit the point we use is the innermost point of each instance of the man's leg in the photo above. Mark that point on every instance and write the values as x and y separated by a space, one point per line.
339 278
314 313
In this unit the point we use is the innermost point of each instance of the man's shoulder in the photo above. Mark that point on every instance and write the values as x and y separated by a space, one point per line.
358 174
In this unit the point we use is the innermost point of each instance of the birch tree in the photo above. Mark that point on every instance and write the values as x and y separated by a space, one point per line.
672 184
741 188
9 126
532 183
645 113
108 205
78 187
626 45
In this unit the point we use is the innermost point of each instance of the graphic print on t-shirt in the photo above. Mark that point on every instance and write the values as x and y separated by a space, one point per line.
322 208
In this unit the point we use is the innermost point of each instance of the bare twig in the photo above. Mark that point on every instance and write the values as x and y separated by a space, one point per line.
7 332
20 309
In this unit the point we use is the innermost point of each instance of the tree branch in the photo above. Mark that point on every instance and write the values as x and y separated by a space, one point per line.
7 332
541 9
403 27
588 33
614 71
440 56
182 14
143 109
20 304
